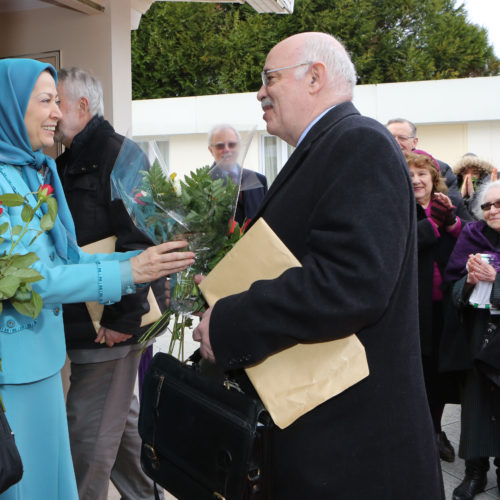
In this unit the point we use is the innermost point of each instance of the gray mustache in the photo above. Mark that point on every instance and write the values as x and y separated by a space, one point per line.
267 101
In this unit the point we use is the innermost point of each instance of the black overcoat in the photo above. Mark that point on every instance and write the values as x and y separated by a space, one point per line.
344 205
430 249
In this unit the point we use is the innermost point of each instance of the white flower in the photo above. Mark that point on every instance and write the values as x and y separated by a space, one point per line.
177 187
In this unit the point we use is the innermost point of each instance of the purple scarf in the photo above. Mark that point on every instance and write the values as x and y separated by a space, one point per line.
471 240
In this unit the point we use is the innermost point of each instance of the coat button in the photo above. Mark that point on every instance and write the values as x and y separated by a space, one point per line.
57 310
52 256
11 324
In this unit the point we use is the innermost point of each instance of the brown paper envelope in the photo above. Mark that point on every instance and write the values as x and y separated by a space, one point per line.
295 380
107 245
246 263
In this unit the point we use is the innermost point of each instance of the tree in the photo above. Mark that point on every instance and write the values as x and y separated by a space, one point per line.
183 49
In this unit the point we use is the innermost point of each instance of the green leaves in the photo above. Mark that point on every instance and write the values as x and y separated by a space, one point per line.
11 200
16 273
30 307
8 286
23 260
186 49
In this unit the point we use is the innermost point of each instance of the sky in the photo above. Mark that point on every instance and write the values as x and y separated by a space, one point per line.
486 13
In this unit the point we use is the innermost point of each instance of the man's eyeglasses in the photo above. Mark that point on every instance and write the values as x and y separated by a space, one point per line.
487 206
403 137
265 79
221 145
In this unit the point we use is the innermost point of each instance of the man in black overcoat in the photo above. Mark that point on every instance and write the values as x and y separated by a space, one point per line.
344 205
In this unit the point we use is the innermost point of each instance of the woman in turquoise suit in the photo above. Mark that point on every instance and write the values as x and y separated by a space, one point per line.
33 351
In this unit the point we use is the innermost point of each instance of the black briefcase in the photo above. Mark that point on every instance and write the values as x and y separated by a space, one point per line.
11 467
202 436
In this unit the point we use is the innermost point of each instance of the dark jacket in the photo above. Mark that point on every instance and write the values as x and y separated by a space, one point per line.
480 432
85 170
347 212
253 190
430 249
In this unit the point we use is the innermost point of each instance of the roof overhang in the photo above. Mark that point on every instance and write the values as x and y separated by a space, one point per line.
139 7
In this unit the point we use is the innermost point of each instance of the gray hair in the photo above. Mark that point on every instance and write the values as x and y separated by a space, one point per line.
339 67
476 209
219 128
79 83
413 127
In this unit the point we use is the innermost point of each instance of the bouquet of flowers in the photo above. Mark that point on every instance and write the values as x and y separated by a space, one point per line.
199 209
16 273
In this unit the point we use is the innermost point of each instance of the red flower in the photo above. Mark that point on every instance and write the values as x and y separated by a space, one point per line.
138 197
45 189
245 225
1 209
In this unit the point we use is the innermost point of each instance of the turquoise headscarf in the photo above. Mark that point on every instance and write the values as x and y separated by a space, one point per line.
17 79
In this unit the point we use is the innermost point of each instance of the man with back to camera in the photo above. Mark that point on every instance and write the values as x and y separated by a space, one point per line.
101 405
343 219
405 133
224 144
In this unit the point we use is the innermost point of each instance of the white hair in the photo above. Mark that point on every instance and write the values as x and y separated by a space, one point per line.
476 209
340 69
79 83
219 128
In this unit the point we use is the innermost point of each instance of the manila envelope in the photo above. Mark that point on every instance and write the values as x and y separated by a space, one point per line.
107 245
295 380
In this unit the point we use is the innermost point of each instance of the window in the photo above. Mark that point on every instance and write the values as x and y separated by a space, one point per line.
156 149
274 153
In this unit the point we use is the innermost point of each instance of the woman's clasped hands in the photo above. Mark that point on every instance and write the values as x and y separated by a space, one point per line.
479 270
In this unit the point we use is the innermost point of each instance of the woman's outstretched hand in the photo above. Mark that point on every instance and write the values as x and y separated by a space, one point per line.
160 260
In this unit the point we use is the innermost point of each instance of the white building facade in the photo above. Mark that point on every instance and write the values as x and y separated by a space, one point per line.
453 117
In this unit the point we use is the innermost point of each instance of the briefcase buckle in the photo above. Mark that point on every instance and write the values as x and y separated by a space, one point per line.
153 457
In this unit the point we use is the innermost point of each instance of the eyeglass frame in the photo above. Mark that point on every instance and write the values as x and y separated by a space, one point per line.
404 137
266 72
486 207
219 146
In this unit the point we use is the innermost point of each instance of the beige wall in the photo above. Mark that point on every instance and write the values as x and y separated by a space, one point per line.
99 43
450 142
445 142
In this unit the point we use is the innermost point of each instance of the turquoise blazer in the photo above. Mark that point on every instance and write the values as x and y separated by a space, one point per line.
33 349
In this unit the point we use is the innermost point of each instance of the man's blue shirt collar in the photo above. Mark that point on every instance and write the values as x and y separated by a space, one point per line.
311 125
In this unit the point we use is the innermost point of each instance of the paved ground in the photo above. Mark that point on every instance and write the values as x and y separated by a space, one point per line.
453 473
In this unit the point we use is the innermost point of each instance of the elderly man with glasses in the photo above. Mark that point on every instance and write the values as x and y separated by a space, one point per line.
224 143
343 205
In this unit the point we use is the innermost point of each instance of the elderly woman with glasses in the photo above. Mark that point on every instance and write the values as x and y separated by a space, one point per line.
438 229
473 268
